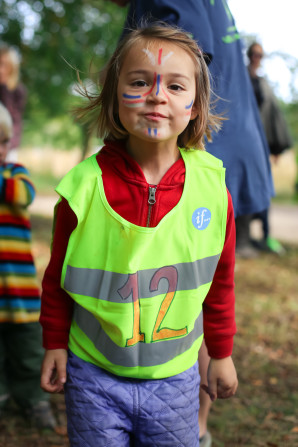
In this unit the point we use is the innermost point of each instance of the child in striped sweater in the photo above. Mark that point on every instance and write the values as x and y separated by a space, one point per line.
20 334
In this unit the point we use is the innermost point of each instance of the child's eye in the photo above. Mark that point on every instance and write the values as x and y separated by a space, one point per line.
139 83
175 87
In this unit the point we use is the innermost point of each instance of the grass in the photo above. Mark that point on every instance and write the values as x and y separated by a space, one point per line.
265 353
44 183
262 414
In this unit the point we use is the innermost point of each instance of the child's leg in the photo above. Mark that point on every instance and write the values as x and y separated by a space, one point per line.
99 406
104 409
205 401
24 357
4 392
167 411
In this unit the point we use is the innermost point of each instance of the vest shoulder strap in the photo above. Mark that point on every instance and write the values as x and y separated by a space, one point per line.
204 159
79 182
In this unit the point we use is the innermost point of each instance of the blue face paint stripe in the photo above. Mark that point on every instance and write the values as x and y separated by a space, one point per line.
149 131
190 105
131 96
158 84
155 132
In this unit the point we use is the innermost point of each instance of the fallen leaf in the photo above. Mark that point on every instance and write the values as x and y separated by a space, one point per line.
60 430
257 382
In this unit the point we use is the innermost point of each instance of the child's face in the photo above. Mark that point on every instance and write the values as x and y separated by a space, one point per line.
5 68
156 92
4 146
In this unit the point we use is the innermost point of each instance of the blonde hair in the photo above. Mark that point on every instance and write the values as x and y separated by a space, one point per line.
5 123
14 60
102 109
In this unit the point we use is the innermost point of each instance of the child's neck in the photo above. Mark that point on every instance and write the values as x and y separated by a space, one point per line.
154 159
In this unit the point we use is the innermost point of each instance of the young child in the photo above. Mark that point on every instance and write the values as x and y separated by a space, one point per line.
20 334
12 95
144 237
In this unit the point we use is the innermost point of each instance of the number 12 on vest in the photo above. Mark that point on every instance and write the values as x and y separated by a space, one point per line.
131 288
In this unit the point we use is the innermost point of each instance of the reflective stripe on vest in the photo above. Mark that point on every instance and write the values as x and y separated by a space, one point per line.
105 285
141 354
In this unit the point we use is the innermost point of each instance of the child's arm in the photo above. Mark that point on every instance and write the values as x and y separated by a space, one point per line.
222 379
219 304
219 319
16 187
56 306
53 370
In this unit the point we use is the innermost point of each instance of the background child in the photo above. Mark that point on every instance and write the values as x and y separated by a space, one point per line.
20 334
144 235
12 95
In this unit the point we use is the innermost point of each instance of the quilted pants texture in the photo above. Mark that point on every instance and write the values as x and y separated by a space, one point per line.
107 410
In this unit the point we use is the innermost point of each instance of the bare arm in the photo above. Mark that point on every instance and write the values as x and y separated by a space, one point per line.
222 379
53 370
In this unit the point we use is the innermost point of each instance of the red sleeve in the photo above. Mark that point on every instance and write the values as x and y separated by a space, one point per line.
219 305
56 304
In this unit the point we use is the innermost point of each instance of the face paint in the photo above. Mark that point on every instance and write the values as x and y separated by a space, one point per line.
158 81
159 56
153 132
131 96
190 105
153 85
136 103
150 56
160 59
132 100
157 77
163 59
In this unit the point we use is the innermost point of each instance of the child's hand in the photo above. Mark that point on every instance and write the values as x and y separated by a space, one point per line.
53 370
222 379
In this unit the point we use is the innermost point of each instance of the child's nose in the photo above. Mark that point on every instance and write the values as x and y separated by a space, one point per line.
157 93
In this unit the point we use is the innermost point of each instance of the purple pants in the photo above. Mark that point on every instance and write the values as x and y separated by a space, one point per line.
107 410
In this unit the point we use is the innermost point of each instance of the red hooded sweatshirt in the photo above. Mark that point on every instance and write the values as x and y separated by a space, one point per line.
127 192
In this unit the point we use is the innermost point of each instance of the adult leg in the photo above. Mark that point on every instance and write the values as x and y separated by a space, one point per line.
244 249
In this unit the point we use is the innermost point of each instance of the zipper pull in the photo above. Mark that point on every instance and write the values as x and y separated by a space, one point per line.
151 199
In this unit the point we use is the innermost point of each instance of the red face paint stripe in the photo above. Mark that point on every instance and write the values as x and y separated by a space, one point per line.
133 102
159 56
164 93
154 82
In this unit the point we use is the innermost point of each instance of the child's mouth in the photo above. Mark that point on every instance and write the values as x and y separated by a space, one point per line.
153 116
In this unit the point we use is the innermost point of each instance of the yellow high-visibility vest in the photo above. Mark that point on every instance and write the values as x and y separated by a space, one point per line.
139 291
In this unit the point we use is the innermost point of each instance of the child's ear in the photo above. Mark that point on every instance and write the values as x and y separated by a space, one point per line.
194 113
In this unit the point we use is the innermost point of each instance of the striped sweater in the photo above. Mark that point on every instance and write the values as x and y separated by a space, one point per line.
19 292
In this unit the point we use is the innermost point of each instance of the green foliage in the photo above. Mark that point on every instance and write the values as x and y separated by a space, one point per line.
291 114
55 39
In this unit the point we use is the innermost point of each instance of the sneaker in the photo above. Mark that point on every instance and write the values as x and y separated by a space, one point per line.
206 440
41 415
274 246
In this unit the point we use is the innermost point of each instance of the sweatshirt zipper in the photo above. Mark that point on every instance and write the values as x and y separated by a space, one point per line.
151 201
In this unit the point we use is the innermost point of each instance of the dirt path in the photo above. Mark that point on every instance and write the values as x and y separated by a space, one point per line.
283 223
